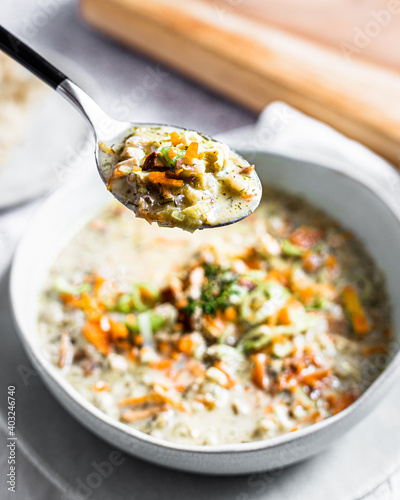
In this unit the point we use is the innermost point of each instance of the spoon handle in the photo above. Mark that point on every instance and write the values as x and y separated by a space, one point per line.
26 56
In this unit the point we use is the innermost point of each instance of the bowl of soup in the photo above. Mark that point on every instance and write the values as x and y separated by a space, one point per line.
226 351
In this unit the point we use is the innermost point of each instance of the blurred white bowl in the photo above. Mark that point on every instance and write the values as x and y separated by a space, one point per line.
53 142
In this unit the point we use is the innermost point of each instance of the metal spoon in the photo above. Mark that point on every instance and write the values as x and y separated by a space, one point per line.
105 128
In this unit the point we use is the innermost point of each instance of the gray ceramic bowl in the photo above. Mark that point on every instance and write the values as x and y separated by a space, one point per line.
352 197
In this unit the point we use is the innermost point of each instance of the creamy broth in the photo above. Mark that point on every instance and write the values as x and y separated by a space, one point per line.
233 335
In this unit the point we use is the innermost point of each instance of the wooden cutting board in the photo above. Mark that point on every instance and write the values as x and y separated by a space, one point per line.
253 62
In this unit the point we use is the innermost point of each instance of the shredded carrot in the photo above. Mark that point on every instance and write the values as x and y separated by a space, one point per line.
172 152
176 356
89 306
161 178
135 415
119 331
95 335
307 292
248 170
355 310
156 176
252 259
281 277
286 314
153 398
186 345
225 370
215 325
311 378
175 138
279 339
180 304
181 387
164 364
191 152
98 282
68 299
140 400
118 173
100 386
230 314
258 374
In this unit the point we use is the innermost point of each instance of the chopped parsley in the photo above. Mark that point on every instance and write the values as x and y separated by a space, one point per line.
218 287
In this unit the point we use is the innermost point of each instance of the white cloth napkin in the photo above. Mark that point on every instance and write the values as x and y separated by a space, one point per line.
60 459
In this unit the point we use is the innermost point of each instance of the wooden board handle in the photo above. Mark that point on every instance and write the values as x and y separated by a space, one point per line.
255 64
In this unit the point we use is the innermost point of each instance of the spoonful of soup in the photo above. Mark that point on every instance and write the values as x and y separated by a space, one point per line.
170 175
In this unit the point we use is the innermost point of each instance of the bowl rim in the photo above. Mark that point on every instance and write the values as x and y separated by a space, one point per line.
46 368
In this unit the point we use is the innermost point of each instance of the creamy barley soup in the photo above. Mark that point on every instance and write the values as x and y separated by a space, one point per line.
179 178
226 336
